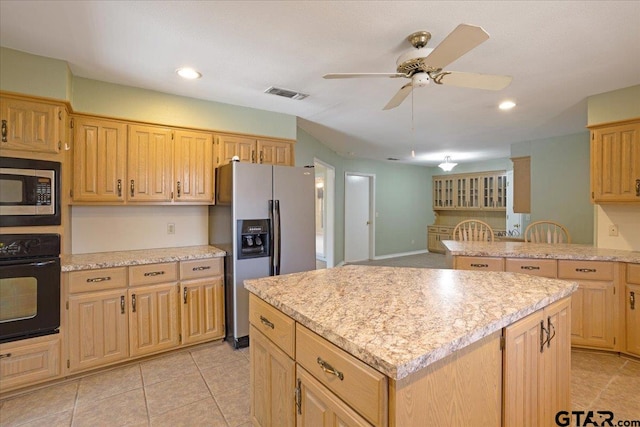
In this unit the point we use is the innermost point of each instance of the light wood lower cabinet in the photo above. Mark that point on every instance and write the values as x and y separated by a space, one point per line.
98 329
29 361
322 408
272 379
632 309
435 236
537 367
202 312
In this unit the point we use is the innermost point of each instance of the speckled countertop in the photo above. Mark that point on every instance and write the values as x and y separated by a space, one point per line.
540 250
399 320
138 257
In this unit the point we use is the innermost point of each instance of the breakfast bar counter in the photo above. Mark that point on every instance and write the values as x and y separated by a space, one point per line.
410 325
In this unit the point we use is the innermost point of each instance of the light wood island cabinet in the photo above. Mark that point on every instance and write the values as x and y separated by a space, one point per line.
632 309
615 162
466 386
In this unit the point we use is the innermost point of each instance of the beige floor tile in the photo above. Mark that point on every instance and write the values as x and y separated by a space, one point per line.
105 384
175 393
201 413
168 367
228 376
38 404
217 354
235 406
61 419
127 408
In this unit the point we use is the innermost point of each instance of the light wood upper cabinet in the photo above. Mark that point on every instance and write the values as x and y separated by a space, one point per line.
193 167
29 125
615 162
150 164
470 191
100 159
253 150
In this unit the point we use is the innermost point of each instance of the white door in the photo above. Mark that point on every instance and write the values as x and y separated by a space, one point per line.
358 221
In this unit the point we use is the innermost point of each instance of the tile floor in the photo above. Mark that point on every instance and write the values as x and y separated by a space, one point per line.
209 386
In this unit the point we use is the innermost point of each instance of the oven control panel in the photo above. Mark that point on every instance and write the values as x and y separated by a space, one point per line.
29 245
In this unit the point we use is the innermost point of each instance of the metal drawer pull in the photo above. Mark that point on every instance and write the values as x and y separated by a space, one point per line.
122 304
638 187
119 188
98 279
154 273
184 295
530 267
543 340
133 303
206 267
179 189
133 186
632 300
329 369
4 131
480 265
2 356
586 270
266 322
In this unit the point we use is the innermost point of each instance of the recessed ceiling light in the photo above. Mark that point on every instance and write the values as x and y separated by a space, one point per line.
188 73
506 105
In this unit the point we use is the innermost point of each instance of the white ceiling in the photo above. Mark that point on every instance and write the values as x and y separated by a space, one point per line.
558 52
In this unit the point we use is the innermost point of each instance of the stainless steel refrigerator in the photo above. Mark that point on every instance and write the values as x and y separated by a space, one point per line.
264 217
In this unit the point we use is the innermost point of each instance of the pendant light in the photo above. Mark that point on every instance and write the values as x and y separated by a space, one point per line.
447 165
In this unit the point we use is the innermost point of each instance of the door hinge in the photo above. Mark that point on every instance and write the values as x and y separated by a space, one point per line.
68 364
59 114
614 340
180 338
71 193
67 305
172 136
71 123
614 290
503 342
299 397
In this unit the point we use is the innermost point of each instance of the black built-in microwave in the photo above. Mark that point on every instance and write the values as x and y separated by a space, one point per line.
29 192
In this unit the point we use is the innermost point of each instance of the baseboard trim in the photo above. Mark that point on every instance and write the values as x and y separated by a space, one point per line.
422 251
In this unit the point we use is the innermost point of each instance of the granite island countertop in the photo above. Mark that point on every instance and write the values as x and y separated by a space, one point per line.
400 320
567 251
138 257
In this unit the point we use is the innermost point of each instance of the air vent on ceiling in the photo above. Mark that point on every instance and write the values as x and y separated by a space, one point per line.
392 158
291 94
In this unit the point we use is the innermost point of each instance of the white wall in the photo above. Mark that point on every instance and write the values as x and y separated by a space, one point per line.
115 228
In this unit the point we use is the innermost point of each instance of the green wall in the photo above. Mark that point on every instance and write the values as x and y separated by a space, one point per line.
34 75
613 106
402 195
560 182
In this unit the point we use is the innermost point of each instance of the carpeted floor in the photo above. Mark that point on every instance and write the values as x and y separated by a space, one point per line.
426 260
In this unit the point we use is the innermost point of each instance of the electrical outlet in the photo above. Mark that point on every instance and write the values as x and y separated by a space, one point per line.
613 230
171 228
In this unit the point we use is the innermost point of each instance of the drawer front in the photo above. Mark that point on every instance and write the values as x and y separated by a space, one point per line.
356 383
153 273
445 230
277 326
585 270
479 263
432 229
534 267
633 273
97 280
194 269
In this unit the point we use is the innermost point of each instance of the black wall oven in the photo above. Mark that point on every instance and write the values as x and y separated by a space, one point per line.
29 285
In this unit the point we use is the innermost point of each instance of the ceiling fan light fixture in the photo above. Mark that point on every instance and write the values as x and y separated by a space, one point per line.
506 105
188 73
447 165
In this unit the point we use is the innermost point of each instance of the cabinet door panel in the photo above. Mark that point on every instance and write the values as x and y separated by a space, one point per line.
150 164
320 407
202 310
193 167
632 303
97 329
24 364
274 153
31 125
99 156
229 146
272 383
153 318
592 324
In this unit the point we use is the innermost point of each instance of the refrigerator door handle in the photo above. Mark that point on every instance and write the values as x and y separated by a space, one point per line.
271 240
278 242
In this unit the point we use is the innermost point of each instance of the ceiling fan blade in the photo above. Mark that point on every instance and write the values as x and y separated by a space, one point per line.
357 75
473 80
399 97
460 41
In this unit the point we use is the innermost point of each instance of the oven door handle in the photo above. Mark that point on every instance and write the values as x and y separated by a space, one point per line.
42 264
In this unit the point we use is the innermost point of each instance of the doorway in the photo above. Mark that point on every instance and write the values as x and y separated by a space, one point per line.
325 201
359 226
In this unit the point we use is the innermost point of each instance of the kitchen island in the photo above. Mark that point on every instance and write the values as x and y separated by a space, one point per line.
426 344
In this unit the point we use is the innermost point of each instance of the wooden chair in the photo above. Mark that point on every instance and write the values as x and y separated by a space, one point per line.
546 232
473 230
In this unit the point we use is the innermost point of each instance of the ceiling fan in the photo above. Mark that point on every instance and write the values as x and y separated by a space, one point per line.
423 64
